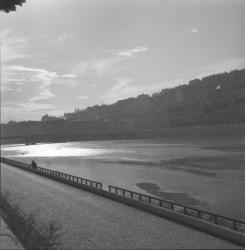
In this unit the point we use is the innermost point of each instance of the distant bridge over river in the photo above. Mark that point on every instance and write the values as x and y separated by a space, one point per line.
237 130
58 137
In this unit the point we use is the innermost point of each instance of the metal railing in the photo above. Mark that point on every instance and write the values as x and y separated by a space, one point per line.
220 220
231 223
52 173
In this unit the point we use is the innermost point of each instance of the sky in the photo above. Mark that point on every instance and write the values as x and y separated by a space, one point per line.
58 55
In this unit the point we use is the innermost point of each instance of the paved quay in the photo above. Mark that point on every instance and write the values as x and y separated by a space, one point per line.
8 241
92 221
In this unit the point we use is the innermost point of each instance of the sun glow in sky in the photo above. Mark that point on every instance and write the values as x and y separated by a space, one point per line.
57 55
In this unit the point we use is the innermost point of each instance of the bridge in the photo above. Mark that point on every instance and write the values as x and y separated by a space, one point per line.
237 130
29 139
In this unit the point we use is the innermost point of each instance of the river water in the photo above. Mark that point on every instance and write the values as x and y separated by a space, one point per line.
205 173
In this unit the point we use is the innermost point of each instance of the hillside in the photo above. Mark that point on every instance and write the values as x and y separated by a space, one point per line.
213 100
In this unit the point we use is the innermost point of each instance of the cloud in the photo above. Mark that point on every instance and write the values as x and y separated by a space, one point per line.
126 87
193 30
28 110
12 47
102 66
121 84
217 67
15 80
32 106
82 97
225 65
41 78
63 38
122 89
96 67
127 53
69 76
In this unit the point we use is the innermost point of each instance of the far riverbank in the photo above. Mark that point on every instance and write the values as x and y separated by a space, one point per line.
237 130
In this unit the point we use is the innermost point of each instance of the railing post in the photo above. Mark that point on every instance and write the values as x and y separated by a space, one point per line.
234 225
123 192
215 219
199 214
140 197
185 210
172 206
132 195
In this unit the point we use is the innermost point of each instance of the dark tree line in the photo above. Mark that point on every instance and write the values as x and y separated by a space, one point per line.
10 5
215 99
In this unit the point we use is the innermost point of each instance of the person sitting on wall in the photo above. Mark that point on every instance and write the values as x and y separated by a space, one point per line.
34 164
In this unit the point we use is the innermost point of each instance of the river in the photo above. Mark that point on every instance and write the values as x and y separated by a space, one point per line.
205 173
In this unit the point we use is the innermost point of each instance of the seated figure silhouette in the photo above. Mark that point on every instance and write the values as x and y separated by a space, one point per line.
34 164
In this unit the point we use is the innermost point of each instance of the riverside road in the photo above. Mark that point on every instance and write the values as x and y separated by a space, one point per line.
92 221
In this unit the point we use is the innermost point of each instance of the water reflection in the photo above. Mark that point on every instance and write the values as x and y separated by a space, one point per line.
209 171
51 150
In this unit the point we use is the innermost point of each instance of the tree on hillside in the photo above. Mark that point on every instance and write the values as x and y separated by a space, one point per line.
10 5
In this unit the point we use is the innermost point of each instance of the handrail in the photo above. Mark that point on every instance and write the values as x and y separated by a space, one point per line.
234 224
220 220
53 173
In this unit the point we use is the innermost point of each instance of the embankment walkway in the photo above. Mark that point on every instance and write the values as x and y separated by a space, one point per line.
91 221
